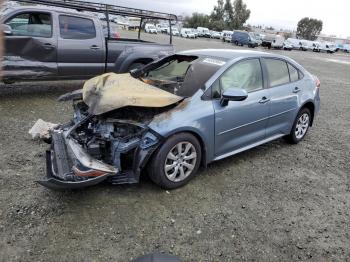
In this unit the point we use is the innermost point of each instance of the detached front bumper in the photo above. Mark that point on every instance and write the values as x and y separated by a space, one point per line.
70 167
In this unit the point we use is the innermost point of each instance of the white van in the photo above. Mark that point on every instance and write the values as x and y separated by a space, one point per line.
278 42
298 44
227 36
203 31
173 30
328 47
150 28
187 33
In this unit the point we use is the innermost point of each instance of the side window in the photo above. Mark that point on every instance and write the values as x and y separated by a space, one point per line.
72 27
277 71
31 24
245 75
293 72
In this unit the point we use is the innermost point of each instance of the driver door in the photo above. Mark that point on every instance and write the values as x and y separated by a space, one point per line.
31 48
240 123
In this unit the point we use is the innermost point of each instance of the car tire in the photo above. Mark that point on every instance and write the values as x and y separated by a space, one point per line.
300 126
180 170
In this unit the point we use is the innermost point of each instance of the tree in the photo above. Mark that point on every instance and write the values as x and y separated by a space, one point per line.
217 17
240 14
196 20
219 11
224 15
309 28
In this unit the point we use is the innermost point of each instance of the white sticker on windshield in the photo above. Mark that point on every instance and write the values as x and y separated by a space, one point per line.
214 61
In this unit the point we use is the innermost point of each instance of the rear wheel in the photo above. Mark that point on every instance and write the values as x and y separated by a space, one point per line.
176 162
300 127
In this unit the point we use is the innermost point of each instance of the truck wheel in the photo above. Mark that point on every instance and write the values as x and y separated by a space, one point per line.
135 66
176 161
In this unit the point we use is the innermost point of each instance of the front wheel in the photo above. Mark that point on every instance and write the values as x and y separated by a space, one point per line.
176 161
300 127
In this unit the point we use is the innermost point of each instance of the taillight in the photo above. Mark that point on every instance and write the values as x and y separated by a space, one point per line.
317 82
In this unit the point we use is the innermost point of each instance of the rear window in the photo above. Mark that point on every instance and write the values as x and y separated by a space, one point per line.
72 27
277 71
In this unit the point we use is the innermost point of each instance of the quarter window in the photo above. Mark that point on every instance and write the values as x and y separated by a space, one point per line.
293 72
245 75
72 27
277 71
31 24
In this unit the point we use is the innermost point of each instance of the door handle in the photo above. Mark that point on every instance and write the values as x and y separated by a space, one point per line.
296 90
264 100
48 46
94 47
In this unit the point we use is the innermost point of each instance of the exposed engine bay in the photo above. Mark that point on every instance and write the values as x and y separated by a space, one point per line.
114 146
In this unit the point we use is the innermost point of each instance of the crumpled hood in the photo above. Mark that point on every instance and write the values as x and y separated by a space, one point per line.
111 91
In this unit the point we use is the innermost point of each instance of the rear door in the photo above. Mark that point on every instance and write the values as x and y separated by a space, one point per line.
81 52
284 85
31 48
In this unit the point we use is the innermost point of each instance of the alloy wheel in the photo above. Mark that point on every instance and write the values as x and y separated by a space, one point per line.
180 161
302 126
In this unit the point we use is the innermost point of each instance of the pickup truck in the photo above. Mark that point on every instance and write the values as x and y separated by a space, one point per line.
51 43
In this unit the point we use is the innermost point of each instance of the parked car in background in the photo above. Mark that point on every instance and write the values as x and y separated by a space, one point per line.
298 44
287 45
267 40
223 34
346 48
215 34
201 106
174 31
203 32
315 46
162 28
150 28
227 36
243 38
55 44
328 47
187 33
277 43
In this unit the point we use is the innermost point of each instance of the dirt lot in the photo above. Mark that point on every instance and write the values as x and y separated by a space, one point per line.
277 202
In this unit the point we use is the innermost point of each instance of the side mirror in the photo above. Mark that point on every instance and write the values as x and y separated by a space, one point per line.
7 30
233 94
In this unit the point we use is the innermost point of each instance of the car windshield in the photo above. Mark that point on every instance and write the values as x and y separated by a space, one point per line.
182 75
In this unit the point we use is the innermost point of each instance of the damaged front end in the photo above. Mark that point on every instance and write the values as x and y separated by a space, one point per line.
94 148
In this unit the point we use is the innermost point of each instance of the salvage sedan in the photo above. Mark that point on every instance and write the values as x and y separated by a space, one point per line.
177 113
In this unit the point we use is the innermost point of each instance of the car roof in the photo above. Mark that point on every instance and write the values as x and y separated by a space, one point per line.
228 54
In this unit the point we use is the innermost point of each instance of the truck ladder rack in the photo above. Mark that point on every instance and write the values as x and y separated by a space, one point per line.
107 9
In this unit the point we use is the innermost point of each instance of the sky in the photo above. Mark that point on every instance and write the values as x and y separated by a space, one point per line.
335 14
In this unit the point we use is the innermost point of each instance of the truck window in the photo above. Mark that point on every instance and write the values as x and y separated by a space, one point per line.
72 27
31 24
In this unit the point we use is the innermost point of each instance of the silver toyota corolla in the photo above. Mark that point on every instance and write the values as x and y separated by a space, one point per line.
177 113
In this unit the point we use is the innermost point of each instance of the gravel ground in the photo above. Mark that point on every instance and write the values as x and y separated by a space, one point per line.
277 202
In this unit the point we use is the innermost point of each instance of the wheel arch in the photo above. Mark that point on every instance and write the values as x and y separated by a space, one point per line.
199 137
311 106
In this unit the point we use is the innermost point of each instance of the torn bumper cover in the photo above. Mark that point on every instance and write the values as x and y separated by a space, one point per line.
70 167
